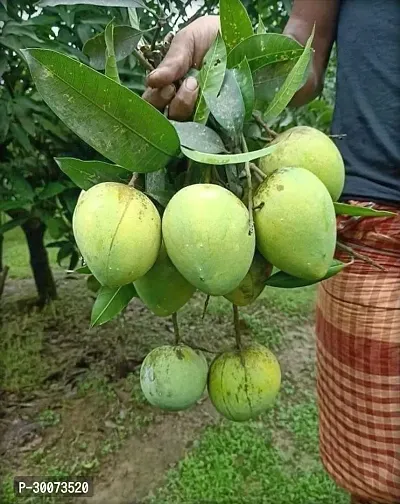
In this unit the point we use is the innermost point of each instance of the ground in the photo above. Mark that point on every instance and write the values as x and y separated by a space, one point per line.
71 402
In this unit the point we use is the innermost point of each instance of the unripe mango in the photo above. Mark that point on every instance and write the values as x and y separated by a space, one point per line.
173 377
295 223
118 231
309 148
206 234
163 289
253 283
242 384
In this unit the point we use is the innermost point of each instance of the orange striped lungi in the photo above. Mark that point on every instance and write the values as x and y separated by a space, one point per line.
358 362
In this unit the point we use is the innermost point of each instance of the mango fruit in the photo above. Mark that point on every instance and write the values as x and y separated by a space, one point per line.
252 284
295 223
173 377
163 289
242 384
118 231
309 148
206 233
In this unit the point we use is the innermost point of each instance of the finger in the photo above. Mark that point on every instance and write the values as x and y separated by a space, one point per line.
176 63
159 98
182 105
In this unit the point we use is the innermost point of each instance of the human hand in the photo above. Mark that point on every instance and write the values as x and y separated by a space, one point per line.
187 51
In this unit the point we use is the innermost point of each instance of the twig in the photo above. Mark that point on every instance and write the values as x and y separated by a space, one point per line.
257 170
160 25
250 188
357 255
133 179
146 64
196 15
205 306
265 126
237 327
176 328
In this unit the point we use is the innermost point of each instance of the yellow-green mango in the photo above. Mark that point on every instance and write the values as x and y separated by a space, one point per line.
295 223
253 283
173 377
163 289
118 231
206 234
242 384
309 148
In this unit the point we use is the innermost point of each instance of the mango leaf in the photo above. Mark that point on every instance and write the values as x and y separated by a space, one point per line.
244 78
265 49
227 159
56 227
110 302
13 204
51 190
261 27
11 224
113 120
235 23
285 281
269 79
358 211
111 69
65 251
162 196
86 174
83 270
4 3
292 82
21 187
3 64
210 77
101 3
126 39
228 107
196 136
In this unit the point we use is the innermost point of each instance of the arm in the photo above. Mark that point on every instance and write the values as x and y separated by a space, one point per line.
324 14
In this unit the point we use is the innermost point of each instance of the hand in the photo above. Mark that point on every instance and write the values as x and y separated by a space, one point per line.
187 51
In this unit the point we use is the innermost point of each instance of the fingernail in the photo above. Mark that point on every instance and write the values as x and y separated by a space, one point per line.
191 84
168 92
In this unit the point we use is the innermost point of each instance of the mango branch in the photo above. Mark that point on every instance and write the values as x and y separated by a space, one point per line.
176 328
133 180
273 134
257 170
236 324
357 255
250 188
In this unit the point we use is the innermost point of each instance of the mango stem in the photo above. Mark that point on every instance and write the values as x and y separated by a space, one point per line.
250 187
132 182
205 306
236 323
257 170
176 328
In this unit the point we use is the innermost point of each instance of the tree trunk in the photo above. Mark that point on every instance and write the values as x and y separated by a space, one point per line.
34 232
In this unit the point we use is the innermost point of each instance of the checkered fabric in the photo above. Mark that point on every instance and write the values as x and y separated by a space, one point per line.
358 359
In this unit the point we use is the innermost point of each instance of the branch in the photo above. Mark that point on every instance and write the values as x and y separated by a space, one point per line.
357 255
176 328
257 170
265 126
146 64
237 327
250 188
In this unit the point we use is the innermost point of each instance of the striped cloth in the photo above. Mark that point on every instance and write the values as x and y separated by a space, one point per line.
358 362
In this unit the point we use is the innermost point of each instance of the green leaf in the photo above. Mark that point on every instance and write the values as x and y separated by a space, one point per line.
86 174
269 79
101 3
3 64
51 190
221 159
210 77
162 196
244 78
358 211
11 224
292 83
196 136
116 122
110 302
13 204
5 121
111 69
65 251
4 3
22 138
83 270
261 27
235 23
286 281
126 39
133 18
21 187
57 227
265 49
228 107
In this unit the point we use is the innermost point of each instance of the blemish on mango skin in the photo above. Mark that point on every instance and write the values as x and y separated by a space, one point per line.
280 187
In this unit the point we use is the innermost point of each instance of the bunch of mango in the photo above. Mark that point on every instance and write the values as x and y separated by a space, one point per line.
203 242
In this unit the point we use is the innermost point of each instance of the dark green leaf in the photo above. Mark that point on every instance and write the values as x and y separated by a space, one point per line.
358 211
13 204
65 251
244 78
221 159
261 27
162 196
286 281
3 64
4 3
56 227
269 79
101 3
5 121
86 174
265 49
83 270
292 83
228 107
110 118
235 23
51 190
21 137
210 77
21 187
73 260
110 302
111 69
20 30
57 244
196 136
70 198
11 224
126 39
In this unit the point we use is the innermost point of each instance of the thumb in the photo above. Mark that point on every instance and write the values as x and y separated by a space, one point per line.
176 63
